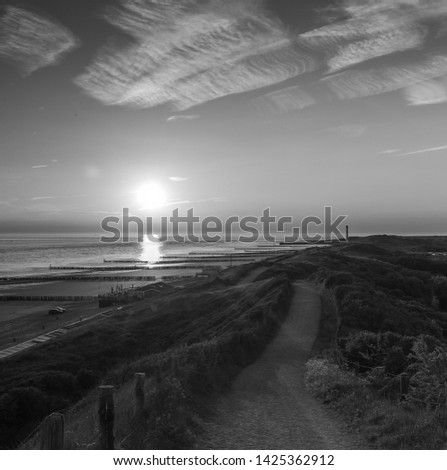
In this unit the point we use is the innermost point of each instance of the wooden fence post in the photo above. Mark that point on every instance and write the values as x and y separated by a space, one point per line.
404 385
52 432
139 392
106 412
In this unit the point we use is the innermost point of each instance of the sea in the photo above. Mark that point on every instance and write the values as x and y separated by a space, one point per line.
30 255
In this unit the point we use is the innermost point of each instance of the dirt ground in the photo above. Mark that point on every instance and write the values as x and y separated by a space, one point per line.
269 406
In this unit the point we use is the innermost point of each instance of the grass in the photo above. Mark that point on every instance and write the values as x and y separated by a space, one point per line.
208 335
386 424
379 320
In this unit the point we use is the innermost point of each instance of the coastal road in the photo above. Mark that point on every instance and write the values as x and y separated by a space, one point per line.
268 406
4 353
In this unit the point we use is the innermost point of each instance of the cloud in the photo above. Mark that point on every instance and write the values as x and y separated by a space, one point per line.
30 41
373 29
370 30
38 167
188 53
377 46
183 117
390 151
356 84
178 179
6 203
283 101
427 150
428 92
41 198
418 80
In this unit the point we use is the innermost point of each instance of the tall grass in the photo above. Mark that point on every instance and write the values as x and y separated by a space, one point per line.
207 352
386 423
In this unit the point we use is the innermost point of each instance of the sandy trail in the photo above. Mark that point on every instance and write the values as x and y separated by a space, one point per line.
268 406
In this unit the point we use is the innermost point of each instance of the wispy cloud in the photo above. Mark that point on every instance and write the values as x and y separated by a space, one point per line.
31 41
360 83
283 101
416 79
377 46
39 167
41 198
187 53
183 117
368 31
373 29
390 151
427 150
428 92
178 179
6 203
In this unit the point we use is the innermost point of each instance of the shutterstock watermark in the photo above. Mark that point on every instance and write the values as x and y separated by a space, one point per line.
248 229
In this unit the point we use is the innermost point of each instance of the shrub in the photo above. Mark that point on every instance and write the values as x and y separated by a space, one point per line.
326 380
55 382
362 349
339 279
86 379
172 417
429 380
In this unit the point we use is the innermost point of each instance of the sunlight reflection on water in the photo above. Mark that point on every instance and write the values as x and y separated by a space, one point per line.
150 251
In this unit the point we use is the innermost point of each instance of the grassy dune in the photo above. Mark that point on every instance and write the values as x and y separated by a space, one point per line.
212 330
384 317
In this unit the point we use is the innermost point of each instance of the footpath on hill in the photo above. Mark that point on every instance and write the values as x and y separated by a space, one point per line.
268 406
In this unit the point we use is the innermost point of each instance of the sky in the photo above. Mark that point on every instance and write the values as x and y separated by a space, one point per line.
224 106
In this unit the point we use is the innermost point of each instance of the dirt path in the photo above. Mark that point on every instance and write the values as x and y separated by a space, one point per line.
268 406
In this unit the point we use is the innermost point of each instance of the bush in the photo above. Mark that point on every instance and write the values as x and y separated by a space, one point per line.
339 279
326 380
362 349
429 380
19 409
55 382
86 379
366 350
171 417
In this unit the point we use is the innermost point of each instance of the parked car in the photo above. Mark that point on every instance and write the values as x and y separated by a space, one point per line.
56 311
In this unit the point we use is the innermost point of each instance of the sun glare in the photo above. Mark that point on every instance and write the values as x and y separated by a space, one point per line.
151 195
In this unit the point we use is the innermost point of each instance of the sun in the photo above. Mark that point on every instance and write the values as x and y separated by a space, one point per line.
151 195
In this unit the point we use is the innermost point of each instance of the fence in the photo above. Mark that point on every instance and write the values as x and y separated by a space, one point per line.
75 277
61 298
52 428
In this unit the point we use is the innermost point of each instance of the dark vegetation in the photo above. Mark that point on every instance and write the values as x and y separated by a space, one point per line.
384 301
384 316
217 331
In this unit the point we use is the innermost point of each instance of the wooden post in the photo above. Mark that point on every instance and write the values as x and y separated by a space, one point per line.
404 385
139 392
52 432
106 412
